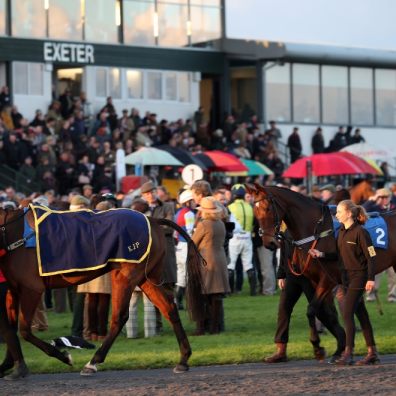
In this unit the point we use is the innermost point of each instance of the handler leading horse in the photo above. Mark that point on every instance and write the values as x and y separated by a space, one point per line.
20 267
311 226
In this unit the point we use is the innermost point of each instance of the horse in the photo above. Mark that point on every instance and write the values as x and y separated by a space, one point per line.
20 267
361 192
311 226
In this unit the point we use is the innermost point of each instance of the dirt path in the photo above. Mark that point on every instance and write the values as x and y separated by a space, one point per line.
293 378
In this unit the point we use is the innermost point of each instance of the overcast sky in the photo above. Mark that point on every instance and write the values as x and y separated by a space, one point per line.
347 23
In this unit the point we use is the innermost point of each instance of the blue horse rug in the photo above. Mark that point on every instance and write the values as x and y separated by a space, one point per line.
375 225
87 240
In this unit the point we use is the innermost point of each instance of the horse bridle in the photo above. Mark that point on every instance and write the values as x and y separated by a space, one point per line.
277 226
3 228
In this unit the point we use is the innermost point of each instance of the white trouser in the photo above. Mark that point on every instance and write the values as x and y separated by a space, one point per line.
391 284
267 269
181 257
150 318
241 244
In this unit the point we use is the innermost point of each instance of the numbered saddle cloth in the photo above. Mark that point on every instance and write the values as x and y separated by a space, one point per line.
376 227
87 240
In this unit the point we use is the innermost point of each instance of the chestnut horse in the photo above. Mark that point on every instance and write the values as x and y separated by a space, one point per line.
361 192
20 268
310 225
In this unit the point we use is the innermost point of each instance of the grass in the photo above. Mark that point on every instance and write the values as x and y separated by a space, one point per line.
250 326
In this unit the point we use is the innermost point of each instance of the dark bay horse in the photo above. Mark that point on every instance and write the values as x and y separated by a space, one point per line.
310 224
20 268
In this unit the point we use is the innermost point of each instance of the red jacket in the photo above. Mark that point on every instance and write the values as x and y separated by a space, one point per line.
2 279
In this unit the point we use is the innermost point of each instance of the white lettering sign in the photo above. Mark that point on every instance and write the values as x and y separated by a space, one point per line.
65 52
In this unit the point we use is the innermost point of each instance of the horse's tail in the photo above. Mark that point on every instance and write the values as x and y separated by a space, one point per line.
193 268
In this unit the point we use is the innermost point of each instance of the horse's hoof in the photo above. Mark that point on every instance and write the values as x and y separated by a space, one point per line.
320 354
89 370
18 373
69 359
181 368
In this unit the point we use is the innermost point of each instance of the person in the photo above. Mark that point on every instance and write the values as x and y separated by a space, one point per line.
185 218
294 144
358 259
327 194
381 202
317 141
14 356
241 243
162 210
292 286
209 238
150 315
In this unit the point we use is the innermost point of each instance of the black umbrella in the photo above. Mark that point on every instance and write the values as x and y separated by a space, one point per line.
184 156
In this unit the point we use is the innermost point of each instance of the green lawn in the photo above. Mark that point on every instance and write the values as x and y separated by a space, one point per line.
250 325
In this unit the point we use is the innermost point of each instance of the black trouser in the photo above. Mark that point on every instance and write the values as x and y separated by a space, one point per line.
8 332
98 313
326 313
354 304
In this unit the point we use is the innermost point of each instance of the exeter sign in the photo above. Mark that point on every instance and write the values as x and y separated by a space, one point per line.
68 53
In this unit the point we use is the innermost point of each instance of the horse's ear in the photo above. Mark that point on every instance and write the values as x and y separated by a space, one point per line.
251 188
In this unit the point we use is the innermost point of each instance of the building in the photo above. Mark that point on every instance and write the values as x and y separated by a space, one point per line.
304 63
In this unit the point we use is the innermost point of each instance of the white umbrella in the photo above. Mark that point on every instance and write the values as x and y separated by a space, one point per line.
147 156
368 151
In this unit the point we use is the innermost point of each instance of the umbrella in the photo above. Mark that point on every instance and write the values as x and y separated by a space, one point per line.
255 168
183 156
222 161
369 151
151 156
364 165
326 165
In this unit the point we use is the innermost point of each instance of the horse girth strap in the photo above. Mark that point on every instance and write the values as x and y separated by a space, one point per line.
308 260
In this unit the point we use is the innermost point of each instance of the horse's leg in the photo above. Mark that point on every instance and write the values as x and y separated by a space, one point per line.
8 330
166 304
123 282
28 302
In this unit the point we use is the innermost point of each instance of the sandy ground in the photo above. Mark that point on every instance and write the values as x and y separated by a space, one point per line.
292 378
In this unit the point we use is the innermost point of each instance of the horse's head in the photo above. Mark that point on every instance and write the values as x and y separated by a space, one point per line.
266 214
8 229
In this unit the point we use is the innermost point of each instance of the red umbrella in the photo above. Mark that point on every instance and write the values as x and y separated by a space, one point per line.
222 162
327 165
360 162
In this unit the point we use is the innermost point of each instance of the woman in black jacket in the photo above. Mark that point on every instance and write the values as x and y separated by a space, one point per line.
357 256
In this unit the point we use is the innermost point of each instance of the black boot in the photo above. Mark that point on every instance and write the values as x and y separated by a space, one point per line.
215 314
231 279
252 281
179 297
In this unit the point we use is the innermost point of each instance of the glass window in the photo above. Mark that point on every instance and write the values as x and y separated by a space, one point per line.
20 78
172 25
65 19
184 87
205 24
138 21
361 96
305 93
101 78
170 85
154 85
35 79
385 97
28 78
277 93
115 83
134 84
28 18
100 21
2 17
214 3
335 94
